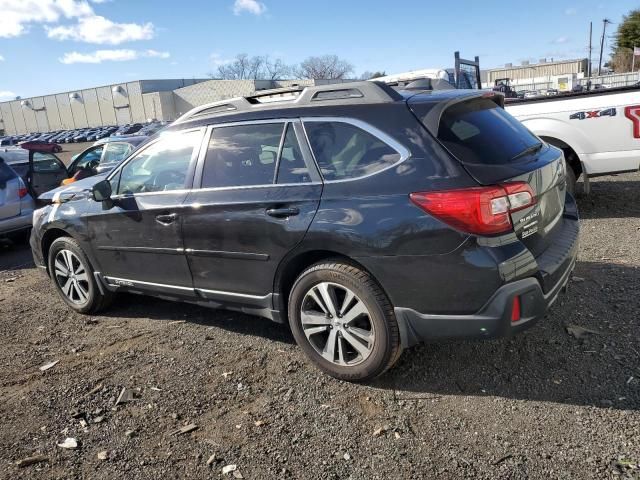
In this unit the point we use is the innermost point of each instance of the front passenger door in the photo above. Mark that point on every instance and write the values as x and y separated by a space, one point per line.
138 241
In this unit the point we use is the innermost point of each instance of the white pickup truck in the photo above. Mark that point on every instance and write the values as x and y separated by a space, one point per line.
599 131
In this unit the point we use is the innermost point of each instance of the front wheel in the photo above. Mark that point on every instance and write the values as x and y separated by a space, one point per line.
73 277
344 322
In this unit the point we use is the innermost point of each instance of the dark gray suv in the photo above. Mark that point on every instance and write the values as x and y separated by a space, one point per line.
367 218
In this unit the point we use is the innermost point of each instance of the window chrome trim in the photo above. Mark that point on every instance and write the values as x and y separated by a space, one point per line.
370 129
248 187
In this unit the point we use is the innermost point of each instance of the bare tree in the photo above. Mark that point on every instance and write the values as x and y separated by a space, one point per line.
276 69
329 67
244 67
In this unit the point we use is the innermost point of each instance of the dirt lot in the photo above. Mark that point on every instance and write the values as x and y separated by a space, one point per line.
544 404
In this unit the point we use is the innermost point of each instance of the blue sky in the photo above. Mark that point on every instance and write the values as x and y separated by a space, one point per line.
49 46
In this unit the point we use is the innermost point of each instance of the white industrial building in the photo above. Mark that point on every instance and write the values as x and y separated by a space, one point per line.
122 103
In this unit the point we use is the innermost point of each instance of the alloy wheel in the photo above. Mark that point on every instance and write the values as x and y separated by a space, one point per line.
71 276
337 324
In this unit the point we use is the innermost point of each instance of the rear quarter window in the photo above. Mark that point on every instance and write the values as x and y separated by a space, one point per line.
345 151
478 131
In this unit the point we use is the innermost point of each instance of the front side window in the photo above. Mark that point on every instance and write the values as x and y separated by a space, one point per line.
116 152
89 159
162 166
242 155
344 151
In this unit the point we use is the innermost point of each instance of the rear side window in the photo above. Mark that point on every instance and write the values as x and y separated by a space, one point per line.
344 151
242 155
480 132
6 173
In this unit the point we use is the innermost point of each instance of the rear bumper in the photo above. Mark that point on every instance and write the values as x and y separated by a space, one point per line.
492 321
537 293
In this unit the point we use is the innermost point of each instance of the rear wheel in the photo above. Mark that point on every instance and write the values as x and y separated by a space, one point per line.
73 277
344 322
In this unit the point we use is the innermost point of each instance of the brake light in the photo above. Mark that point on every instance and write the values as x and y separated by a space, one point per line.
477 210
515 309
22 189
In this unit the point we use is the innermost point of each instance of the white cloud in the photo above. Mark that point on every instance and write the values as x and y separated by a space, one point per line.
1 58
560 40
570 11
100 30
120 55
6 94
155 54
18 15
250 6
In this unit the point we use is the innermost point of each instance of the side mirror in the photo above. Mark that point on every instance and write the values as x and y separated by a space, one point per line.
101 191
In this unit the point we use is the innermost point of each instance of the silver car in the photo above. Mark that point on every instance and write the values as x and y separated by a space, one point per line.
16 204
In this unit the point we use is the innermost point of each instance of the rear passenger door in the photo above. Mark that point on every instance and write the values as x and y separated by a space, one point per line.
257 193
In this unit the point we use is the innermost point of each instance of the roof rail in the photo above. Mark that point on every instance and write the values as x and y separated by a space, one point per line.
343 93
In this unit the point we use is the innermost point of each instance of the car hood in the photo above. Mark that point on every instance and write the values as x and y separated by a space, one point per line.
75 191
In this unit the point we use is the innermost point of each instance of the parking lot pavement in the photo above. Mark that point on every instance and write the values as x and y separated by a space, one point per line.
561 400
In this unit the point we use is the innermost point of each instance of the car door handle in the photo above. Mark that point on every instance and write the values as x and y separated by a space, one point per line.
283 212
166 219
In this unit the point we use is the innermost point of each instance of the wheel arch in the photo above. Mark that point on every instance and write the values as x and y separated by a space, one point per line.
570 155
50 236
292 266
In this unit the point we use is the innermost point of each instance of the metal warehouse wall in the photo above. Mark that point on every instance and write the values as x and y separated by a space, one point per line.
518 72
91 107
129 102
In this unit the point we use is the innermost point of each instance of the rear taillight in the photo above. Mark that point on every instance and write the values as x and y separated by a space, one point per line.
22 189
478 210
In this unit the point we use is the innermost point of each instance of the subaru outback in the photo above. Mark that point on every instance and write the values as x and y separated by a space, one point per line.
369 219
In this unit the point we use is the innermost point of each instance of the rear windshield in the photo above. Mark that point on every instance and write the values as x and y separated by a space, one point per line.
6 173
480 132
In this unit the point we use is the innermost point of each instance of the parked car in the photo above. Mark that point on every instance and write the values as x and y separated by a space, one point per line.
16 204
40 171
366 218
41 145
101 158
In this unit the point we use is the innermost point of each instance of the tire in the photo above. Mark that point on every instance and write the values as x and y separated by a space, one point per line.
83 294
571 180
351 358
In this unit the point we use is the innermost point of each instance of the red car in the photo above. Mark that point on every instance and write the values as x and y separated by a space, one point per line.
41 146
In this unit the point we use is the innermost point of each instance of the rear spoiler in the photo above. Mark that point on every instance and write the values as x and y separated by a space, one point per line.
438 105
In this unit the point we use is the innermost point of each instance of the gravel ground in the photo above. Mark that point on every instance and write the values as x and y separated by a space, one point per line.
544 404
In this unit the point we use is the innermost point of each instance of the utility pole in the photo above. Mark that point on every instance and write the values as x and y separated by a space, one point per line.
604 29
590 50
